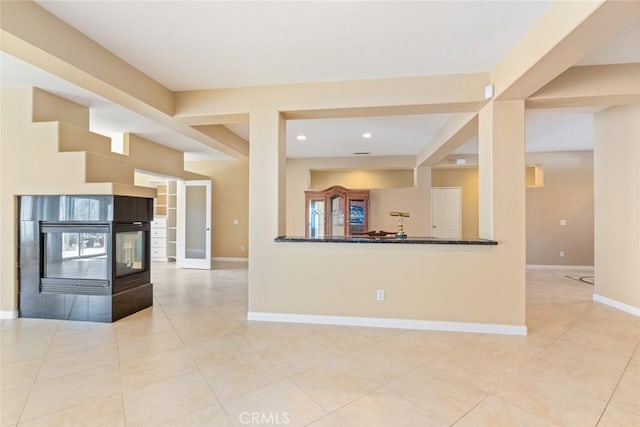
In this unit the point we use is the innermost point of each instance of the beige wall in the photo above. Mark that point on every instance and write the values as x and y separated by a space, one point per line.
41 155
617 204
230 200
567 194
422 282
31 164
362 178
413 199
467 179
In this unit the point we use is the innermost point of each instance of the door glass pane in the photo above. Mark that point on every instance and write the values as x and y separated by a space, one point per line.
316 218
196 221
337 216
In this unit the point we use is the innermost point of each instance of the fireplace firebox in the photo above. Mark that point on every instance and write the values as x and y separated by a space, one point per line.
84 257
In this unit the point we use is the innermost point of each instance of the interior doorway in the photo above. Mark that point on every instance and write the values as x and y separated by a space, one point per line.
181 228
446 212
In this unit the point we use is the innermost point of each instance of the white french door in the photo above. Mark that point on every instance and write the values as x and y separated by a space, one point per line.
446 212
194 225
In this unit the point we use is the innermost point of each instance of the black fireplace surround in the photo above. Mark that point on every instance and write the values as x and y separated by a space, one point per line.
84 257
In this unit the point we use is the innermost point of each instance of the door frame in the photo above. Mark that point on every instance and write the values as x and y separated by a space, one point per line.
459 189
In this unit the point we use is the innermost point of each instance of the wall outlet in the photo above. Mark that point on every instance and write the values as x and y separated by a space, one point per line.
236 222
561 254
241 248
563 222
380 295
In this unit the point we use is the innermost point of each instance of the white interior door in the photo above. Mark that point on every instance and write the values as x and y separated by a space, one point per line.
446 212
194 225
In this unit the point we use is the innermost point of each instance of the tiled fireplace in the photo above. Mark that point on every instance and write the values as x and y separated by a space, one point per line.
84 257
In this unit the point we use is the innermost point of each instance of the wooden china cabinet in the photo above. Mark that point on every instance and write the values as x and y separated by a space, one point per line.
336 211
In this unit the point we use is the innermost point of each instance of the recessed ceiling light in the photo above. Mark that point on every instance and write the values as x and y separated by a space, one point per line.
366 135
301 137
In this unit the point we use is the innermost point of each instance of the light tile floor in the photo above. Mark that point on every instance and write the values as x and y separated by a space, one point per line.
194 360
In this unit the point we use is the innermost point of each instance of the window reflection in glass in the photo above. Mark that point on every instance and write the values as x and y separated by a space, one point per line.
83 245
76 255
82 208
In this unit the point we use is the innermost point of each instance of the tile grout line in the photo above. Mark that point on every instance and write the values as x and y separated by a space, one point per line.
384 384
289 377
124 411
509 377
199 369
122 390
218 400
512 375
35 380
569 340
634 353
471 410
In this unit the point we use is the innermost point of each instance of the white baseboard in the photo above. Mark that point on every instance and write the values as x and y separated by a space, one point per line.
483 328
224 258
617 304
8 314
560 267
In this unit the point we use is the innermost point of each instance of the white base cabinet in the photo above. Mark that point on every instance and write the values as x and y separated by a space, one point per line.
163 226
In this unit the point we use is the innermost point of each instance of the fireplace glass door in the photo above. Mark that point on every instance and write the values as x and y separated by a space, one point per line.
76 255
129 253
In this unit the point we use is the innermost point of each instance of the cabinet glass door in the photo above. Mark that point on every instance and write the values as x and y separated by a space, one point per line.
336 220
357 214
316 218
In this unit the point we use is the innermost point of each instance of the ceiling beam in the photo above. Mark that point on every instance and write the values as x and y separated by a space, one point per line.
225 136
561 37
459 92
399 110
452 135
222 119
32 34
617 84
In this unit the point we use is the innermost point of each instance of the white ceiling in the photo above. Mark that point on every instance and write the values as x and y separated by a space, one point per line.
391 135
189 45
192 45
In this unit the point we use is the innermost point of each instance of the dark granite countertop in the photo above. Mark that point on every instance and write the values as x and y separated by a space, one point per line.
387 239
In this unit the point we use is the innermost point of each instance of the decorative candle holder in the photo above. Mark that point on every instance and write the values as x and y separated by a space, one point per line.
401 215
